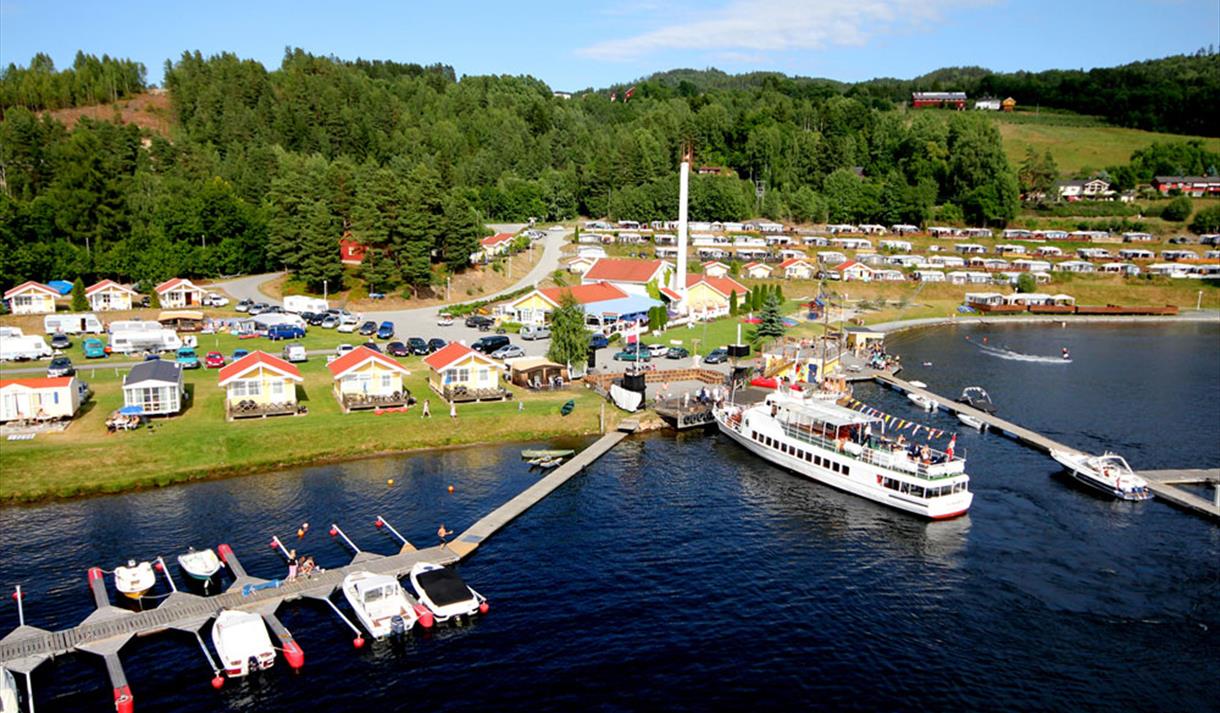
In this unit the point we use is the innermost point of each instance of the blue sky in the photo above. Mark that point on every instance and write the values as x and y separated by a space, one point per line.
573 45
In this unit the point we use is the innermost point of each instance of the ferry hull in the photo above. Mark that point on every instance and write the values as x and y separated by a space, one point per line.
943 508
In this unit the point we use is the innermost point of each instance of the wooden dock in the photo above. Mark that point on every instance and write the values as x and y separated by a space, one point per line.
108 628
1163 484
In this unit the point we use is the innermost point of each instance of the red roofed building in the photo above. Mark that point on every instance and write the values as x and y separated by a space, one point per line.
631 276
797 268
109 295
39 399
365 378
459 373
535 307
31 298
351 252
259 384
179 292
709 296
852 270
756 270
497 244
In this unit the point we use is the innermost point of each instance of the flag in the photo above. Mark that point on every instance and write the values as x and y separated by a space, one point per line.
629 94
949 448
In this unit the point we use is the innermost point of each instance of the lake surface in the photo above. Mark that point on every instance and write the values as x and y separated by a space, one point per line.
685 573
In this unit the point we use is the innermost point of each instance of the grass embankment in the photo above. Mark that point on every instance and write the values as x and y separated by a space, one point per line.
200 443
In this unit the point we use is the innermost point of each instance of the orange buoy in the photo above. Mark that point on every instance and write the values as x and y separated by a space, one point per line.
451 488
390 481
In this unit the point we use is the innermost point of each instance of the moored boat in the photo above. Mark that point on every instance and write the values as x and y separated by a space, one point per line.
920 400
134 580
382 605
8 692
849 450
242 642
972 422
531 454
444 593
200 565
1108 473
977 398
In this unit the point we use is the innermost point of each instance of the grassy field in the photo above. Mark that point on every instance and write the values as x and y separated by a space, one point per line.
200 443
1075 146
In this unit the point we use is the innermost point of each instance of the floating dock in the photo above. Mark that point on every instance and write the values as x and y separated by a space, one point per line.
1163 484
108 628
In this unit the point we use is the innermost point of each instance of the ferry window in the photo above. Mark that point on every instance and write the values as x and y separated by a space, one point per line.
905 488
917 491
846 470
808 456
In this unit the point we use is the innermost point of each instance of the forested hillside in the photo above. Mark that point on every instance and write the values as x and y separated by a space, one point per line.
88 81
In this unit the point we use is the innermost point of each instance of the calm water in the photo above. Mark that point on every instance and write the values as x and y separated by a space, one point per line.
688 574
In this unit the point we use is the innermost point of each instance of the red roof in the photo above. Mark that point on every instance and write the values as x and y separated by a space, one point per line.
792 261
38 382
750 265
30 284
496 239
253 359
583 294
451 353
723 285
174 282
359 356
671 294
851 263
612 270
99 286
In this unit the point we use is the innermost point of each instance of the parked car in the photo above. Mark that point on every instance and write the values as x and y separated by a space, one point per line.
677 353
285 331
346 327
535 331
397 349
370 344
61 366
656 351
258 308
295 353
386 330
214 360
343 349
598 341
151 356
59 340
436 344
418 346
719 355
368 329
444 319
512 351
187 357
244 305
94 348
238 354
489 344
329 321
633 354
212 299
479 321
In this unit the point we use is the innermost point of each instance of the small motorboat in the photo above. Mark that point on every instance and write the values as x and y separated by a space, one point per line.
443 592
134 580
1108 473
546 463
200 565
542 453
972 422
382 605
242 642
977 398
8 692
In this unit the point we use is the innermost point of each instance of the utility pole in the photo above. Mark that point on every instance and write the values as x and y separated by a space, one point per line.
1199 301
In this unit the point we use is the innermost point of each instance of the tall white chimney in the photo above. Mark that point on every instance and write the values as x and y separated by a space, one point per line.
683 195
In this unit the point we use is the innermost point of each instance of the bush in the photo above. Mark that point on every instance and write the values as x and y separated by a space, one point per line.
1027 283
1178 209
514 327
1206 220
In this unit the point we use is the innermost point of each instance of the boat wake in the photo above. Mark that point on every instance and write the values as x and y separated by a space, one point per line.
1018 356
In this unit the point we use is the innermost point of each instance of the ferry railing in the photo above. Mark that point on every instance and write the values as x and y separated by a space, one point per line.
884 457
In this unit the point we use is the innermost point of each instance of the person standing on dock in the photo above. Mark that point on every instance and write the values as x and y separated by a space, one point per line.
442 533
427 413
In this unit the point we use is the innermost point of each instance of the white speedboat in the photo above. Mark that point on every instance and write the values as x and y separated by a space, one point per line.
849 450
972 422
8 692
242 642
1108 473
134 580
443 592
200 565
381 604
920 400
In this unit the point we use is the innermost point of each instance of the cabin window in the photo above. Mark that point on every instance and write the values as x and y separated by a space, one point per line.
277 388
846 470
808 456
386 381
904 488
917 491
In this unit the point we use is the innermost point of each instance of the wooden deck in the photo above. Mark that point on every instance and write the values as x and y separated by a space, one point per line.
1163 484
108 628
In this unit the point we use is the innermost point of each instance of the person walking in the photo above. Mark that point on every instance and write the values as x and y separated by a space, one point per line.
427 410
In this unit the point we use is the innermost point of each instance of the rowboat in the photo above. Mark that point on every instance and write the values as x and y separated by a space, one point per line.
201 565
134 580
545 454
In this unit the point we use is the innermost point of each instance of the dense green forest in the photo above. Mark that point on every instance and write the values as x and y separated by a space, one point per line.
88 81
267 169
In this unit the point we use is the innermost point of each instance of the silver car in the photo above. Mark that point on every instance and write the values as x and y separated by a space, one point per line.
512 351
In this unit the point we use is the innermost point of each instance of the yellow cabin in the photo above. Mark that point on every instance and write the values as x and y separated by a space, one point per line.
260 384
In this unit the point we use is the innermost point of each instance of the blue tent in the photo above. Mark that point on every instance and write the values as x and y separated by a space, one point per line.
132 410
63 287
623 308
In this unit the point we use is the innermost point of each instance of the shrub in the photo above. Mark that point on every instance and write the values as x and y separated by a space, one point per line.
1178 209
1206 220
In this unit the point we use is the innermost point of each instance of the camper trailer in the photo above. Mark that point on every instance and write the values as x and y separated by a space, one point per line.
300 303
23 348
130 341
72 324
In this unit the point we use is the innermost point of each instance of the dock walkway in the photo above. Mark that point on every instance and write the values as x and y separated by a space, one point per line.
108 628
1162 484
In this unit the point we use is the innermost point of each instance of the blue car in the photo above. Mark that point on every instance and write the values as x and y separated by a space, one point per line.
285 331
598 341
386 330
94 348
239 353
187 358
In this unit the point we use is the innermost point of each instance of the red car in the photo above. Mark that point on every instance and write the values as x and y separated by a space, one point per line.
214 360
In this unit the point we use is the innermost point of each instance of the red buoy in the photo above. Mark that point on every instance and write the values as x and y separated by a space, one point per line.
333 532
18 595
424 615
271 544
377 523
483 608
94 573
225 552
158 566
218 681
358 642
293 654
123 702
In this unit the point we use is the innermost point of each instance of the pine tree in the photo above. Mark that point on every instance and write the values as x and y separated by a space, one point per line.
154 300
378 271
569 337
733 303
320 249
79 303
779 293
771 324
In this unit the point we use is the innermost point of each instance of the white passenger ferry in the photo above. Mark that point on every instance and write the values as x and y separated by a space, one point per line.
849 451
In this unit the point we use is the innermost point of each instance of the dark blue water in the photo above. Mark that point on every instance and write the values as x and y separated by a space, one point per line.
687 574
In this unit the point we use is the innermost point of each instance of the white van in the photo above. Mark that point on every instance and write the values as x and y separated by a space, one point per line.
295 353
300 303
535 331
23 348
72 324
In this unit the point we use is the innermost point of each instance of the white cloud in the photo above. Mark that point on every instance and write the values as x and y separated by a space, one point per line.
752 26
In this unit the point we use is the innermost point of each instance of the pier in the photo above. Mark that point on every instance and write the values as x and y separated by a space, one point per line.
1163 484
109 628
